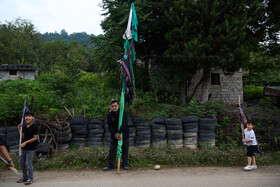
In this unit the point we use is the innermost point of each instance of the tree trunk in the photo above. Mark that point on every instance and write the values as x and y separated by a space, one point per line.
205 86
183 90
183 93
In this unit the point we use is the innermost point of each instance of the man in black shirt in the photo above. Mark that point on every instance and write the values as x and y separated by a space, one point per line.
29 142
113 123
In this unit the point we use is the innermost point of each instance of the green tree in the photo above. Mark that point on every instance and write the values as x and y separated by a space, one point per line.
178 38
54 54
19 43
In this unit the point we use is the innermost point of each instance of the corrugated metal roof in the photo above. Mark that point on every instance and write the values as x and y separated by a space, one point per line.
26 67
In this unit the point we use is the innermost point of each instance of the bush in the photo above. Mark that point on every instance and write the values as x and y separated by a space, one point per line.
59 83
253 93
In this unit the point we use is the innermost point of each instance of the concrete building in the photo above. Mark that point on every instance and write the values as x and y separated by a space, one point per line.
224 86
14 71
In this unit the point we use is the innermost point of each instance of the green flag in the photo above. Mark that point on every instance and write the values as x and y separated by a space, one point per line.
128 82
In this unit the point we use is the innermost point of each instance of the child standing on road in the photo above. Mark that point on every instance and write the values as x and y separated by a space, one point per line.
251 142
28 146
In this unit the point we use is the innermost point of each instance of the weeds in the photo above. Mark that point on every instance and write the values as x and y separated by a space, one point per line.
167 156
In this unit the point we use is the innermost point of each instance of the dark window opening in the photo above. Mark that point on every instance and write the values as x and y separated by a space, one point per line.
215 79
13 72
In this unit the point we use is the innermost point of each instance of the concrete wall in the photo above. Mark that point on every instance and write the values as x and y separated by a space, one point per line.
4 75
230 87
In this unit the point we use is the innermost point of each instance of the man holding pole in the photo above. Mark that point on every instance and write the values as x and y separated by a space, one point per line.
117 133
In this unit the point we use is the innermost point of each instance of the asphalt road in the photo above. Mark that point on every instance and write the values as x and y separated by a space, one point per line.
185 176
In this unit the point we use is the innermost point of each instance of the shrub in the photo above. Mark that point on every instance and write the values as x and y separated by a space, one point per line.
253 93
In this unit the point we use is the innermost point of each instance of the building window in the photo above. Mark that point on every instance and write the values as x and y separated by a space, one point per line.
215 79
13 72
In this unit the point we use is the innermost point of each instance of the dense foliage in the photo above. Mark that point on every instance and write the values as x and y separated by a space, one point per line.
20 43
82 37
177 38
52 92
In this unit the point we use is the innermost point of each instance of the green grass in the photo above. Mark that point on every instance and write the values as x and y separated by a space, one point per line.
167 156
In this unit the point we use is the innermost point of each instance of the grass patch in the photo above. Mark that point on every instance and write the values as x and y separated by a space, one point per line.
167 156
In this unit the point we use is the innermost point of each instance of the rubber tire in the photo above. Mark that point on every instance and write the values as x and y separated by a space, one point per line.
96 135
140 120
63 146
64 139
95 126
190 119
207 126
78 140
158 126
206 135
190 125
95 139
62 134
80 132
191 130
174 132
132 129
143 124
96 121
13 138
174 127
11 129
206 131
78 127
208 120
96 131
175 142
173 121
190 135
12 143
62 129
2 131
159 119
79 121
174 137
143 135
43 149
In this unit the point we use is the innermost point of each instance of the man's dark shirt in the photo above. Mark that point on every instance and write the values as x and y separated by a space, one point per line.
29 134
113 123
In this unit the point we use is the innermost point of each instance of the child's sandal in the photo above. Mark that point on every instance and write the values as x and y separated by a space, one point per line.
21 180
29 181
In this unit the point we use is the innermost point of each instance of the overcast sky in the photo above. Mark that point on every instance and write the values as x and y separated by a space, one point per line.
55 15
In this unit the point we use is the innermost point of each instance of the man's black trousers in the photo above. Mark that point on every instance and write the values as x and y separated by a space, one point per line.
113 152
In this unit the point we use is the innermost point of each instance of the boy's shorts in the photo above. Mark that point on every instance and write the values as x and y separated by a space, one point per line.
251 150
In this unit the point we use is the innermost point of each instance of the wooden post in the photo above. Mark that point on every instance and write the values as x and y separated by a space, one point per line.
119 165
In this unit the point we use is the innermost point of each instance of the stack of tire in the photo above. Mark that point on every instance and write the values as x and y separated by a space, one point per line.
12 139
79 127
63 136
44 150
190 124
96 132
159 131
174 132
143 132
3 134
132 132
107 134
207 132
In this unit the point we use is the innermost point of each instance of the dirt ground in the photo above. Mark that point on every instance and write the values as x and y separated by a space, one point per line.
185 176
